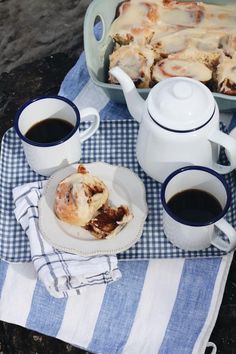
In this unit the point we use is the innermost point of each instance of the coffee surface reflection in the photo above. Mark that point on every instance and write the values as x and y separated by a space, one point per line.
195 205
49 130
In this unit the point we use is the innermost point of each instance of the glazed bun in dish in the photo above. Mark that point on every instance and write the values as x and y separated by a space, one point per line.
136 62
226 75
181 67
79 197
157 39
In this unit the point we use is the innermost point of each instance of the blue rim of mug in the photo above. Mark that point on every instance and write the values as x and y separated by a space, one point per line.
200 168
66 137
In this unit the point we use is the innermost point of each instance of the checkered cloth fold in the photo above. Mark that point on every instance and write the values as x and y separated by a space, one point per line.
62 273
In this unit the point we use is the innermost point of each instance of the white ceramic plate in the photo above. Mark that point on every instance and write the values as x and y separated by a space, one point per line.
125 187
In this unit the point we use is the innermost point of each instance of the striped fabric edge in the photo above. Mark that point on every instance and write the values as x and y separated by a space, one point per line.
202 341
173 332
20 279
155 306
59 317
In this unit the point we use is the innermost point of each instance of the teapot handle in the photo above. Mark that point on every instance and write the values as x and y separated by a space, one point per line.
229 143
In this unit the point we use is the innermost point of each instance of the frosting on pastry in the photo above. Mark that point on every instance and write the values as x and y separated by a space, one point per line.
181 67
135 61
109 221
82 199
226 75
79 197
148 32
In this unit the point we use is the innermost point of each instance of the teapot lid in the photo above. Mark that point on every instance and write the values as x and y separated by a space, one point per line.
180 104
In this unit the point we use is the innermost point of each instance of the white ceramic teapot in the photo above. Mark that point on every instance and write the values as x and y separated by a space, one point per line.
179 126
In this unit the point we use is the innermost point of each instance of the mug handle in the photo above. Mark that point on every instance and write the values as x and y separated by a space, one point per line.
229 143
89 114
229 231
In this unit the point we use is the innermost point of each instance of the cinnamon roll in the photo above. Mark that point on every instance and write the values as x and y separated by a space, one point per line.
109 221
82 200
134 22
155 39
184 14
79 197
167 68
135 61
208 58
226 75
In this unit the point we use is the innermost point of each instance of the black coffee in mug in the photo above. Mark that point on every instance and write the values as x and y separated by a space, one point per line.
49 130
194 205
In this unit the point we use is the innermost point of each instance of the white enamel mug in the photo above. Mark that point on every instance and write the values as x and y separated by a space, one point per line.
46 158
193 235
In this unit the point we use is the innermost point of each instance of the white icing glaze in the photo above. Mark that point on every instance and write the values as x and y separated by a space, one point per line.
194 32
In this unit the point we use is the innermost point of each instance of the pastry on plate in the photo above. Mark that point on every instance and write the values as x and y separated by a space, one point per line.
109 221
82 200
79 197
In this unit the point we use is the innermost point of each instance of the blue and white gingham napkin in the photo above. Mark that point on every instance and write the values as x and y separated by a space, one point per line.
63 274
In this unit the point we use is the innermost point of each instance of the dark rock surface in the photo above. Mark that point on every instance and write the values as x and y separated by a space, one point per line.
18 340
31 29
42 77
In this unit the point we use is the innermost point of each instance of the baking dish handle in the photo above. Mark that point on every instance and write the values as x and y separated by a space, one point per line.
96 49
91 115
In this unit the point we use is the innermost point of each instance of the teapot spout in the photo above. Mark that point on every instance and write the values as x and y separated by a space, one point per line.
134 101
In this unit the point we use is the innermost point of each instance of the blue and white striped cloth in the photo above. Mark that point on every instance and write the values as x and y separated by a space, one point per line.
165 306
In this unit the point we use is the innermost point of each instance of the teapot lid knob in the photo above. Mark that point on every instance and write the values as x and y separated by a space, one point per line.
182 90
181 104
